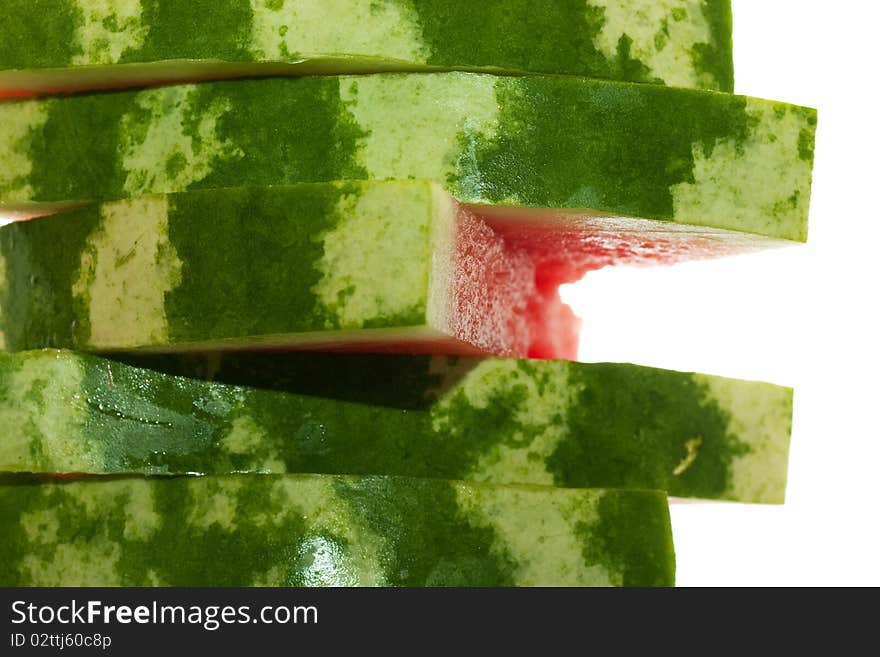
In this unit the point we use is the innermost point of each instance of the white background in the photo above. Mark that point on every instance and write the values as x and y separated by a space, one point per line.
805 316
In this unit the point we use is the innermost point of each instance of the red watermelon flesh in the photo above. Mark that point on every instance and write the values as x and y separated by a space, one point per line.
511 262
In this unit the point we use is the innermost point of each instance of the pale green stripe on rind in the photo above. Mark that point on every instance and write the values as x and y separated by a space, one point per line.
731 185
127 267
341 549
542 540
247 441
91 559
761 418
4 291
391 110
30 389
161 150
539 404
109 28
663 34
18 124
283 29
360 280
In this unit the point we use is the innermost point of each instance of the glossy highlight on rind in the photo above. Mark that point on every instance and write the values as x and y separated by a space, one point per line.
60 44
494 420
308 530
644 151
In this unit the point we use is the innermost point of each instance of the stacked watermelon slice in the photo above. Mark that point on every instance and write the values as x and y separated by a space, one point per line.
312 251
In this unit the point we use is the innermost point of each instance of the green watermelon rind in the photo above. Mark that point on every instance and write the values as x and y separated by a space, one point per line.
55 45
500 420
293 265
644 151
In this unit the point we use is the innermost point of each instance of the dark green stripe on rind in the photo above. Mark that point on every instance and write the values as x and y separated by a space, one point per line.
194 29
503 421
37 33
329 531
37 265
570 30
623 517
645 148
677 42
267 285
225 290
713 56
671 154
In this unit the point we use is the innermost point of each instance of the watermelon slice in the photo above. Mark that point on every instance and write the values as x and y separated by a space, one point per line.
490 420
381 266
329 531
68 45
693 157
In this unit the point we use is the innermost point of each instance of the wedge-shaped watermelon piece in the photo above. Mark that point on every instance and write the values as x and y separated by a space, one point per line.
263 530
491 420
644 151
391 266
64 45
